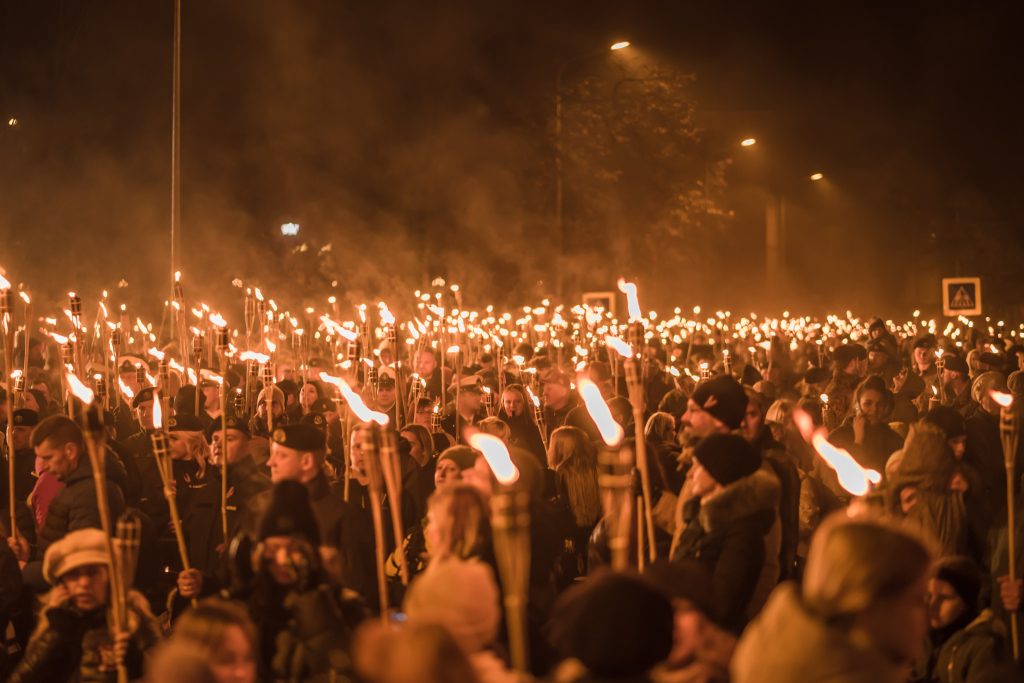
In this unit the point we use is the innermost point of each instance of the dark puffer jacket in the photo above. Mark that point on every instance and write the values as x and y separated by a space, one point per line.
75 506
971 654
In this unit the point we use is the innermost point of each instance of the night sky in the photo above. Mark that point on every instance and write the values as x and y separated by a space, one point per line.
416 140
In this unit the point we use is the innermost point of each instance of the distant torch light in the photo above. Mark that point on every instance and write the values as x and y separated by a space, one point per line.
289 229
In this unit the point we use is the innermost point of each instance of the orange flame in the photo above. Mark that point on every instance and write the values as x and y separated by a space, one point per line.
252 355
81 392
852 477
4 284
24 297
355 401
619 346
125 389
611 431
533 397
497 457
632 303
218 320
386 316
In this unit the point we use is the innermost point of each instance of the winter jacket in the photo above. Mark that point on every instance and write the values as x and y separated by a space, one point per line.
728 535
787 643
315 644
972 654
75 506
69 645
927 466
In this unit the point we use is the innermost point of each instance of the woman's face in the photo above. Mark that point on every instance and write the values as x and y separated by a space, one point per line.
308 394
871 406
445 473
234 660
179 447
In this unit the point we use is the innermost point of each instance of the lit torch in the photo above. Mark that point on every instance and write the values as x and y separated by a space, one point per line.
1009 434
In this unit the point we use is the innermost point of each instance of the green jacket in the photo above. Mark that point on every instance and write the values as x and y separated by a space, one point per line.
971 654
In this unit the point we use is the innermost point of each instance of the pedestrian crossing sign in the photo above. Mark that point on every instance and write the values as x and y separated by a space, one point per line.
961 296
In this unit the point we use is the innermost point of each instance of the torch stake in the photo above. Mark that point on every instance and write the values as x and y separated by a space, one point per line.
223 441
392 483
371 454
163 466
1009 432
613 479
8 365
510 519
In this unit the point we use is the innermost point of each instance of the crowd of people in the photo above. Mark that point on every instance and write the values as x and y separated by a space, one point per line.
765 568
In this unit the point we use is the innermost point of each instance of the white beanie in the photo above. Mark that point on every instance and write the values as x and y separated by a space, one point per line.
462 597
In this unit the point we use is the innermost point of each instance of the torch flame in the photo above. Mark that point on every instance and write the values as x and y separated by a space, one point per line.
619 346
59 338
218 320
497 457
24 297
81 392
355 401
1004 400
629 289
157 353
852 477
386 316
125 389
253 355
610 430
4 284
158 412
271 346
533 397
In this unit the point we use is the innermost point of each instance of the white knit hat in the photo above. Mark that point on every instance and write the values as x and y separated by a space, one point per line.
460 596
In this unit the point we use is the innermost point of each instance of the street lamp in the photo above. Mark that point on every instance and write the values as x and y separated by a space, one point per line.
559 196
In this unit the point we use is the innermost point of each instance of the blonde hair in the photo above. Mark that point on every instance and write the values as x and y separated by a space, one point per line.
198 448
495 426
459 514
854 562
573 457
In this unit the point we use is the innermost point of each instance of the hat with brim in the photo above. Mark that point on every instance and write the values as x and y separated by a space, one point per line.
77 549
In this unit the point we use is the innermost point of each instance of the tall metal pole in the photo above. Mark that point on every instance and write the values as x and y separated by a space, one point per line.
176 142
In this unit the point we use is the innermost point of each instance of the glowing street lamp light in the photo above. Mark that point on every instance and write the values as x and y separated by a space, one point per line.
748 142
620 45
290 229
817 176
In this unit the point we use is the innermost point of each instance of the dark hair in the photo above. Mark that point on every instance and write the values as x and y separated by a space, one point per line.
875 383
58 430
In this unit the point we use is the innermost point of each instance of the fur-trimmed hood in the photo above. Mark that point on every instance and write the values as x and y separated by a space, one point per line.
755 494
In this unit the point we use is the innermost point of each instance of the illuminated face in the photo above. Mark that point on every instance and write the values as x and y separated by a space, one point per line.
308 394
423 415
425 363
233 661
958 445
752 422
470 401
60 461
356 458
555 394
386 395
923 356
211 395
238 442
701 482
281 555
446 473
944 604
286 464
871 406
87 586
144 414
20 437
512 402
699 422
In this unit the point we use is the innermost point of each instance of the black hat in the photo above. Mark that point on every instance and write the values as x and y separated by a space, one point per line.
385 381
963 575
925 341
723 397
290 514
184 422
300 437
948 419
323 405
24 417
643 619
231 421
845 354
288 387
876 323
315 419
955 363
145 394
727 457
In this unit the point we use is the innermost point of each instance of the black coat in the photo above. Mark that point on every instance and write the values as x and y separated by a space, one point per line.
727 534
75 506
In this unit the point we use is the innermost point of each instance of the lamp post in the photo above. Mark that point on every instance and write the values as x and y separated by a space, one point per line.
559 189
